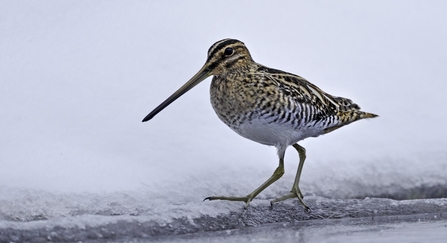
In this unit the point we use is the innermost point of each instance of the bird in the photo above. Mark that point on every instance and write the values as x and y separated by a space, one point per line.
268 106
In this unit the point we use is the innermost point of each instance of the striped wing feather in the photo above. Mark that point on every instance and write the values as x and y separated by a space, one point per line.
304 92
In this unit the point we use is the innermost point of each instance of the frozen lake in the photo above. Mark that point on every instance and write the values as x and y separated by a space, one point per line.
77 164
125 218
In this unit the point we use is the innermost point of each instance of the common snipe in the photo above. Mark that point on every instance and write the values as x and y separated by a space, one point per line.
267 106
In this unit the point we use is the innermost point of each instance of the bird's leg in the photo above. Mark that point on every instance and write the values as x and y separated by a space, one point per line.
295 192
247 199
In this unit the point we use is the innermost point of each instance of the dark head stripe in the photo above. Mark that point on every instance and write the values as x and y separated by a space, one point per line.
221 44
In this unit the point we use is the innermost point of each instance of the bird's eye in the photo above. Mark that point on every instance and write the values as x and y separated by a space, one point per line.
229 51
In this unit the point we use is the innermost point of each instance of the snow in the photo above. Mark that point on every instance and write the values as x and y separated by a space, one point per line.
78 77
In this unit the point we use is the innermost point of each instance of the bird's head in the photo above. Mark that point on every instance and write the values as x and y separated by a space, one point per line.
224 56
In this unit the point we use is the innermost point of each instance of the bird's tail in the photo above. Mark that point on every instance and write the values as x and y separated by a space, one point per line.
348 117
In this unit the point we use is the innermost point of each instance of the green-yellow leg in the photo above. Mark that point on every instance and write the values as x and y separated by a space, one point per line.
295 192
247 199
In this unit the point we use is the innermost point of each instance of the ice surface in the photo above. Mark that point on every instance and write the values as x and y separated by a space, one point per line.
78 77
414 228
126 217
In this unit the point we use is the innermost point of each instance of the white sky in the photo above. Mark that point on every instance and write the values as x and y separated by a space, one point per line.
77 77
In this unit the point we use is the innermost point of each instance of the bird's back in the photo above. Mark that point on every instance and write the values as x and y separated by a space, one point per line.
320 108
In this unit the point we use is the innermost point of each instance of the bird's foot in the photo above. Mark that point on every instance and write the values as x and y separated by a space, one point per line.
247 199
296 192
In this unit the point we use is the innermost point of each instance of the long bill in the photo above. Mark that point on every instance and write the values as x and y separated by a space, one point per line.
203 73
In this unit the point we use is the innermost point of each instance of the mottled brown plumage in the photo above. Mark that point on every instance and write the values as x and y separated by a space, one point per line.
267 106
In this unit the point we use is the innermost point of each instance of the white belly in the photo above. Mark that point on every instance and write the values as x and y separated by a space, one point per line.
274 134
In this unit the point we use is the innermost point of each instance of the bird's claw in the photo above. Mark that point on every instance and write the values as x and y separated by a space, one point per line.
247 199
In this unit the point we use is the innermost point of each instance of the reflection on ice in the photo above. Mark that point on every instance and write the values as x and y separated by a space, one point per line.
412 228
